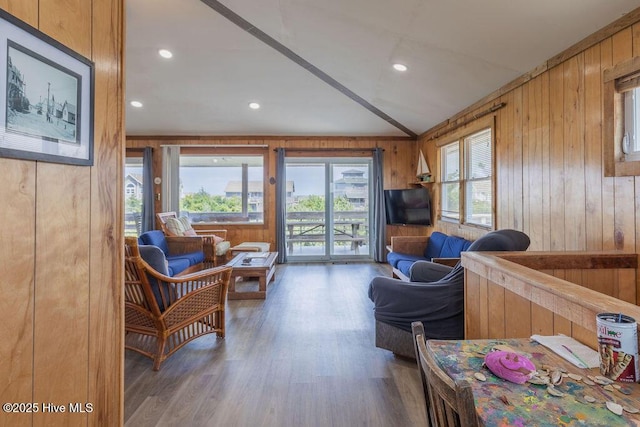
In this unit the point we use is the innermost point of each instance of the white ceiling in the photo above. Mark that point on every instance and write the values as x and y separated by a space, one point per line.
457 51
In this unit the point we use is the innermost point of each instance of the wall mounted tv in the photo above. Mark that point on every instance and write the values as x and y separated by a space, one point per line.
408 206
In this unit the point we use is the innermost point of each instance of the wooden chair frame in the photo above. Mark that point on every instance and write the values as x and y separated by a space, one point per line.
208 242
449 403
417 330
194 306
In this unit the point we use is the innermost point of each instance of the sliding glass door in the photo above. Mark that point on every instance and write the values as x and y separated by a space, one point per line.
327 209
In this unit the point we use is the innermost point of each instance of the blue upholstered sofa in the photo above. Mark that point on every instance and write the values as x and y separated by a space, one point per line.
181 252
406 250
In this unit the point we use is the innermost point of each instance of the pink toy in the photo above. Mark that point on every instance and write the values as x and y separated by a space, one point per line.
510 366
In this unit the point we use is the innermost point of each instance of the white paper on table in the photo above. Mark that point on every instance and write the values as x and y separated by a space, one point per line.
556 342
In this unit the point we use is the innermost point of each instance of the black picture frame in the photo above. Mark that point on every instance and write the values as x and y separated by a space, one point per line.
46 97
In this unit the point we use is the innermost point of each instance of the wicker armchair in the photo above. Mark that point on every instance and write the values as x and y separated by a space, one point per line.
164 313
214 242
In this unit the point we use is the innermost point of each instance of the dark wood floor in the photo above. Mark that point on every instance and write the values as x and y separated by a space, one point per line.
303 357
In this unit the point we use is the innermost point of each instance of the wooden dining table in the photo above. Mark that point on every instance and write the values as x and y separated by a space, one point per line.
502 403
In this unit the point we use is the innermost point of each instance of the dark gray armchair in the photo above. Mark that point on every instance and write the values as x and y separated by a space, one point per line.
435 297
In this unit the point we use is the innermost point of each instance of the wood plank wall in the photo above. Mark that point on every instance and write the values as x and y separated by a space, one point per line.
61 259
398 152
550 181
508 297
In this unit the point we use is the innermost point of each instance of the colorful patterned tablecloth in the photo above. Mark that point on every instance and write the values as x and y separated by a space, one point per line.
502 403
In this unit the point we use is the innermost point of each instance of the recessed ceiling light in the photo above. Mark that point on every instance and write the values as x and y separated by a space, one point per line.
136 104
400 67
165 53
254 105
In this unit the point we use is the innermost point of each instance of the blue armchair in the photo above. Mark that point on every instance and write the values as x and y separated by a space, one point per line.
183 254
438 304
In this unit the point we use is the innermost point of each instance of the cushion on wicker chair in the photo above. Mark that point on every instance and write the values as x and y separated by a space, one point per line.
222 246
154 256
155 238
192 258
178 262
187 227
175 226
189 231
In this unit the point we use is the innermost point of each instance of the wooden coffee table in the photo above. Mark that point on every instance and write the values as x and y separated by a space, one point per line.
262 266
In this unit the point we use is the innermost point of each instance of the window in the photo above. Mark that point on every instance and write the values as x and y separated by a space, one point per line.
221 188
450 207
630 137
478 184
467 197
622 119
133 190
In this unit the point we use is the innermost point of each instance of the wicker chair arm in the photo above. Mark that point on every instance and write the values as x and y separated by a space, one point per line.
219 233
195 297
208 272
176 290
209 247
191 277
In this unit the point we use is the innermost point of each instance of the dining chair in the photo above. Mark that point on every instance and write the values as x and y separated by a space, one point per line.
417 330
450 403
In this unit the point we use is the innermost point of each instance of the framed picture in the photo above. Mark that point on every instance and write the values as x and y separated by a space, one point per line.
46 97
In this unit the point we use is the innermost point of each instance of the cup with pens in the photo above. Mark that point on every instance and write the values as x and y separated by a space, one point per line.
618 346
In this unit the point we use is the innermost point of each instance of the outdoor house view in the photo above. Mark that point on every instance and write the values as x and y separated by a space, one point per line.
41 99
229 189
328 209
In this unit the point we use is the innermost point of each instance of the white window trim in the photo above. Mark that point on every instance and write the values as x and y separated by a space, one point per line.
468 182
617 80
459 137
452 182
171 174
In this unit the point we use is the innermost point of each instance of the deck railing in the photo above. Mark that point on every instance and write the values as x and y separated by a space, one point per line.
132 223
350 228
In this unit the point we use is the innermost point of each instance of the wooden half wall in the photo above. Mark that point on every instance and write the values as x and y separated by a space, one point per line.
516 295
398 152
61 257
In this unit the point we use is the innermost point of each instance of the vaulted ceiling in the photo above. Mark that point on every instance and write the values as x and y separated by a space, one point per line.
228 53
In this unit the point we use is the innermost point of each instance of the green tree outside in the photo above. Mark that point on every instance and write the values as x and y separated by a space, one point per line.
315 203
204 202
133 205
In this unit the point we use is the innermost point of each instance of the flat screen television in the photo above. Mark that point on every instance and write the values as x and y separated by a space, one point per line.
410 206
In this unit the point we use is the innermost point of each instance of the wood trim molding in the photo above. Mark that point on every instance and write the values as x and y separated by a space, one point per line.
256 139
468 129
627 67
571 260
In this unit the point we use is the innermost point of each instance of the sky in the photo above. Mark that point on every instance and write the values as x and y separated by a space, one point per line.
41 77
